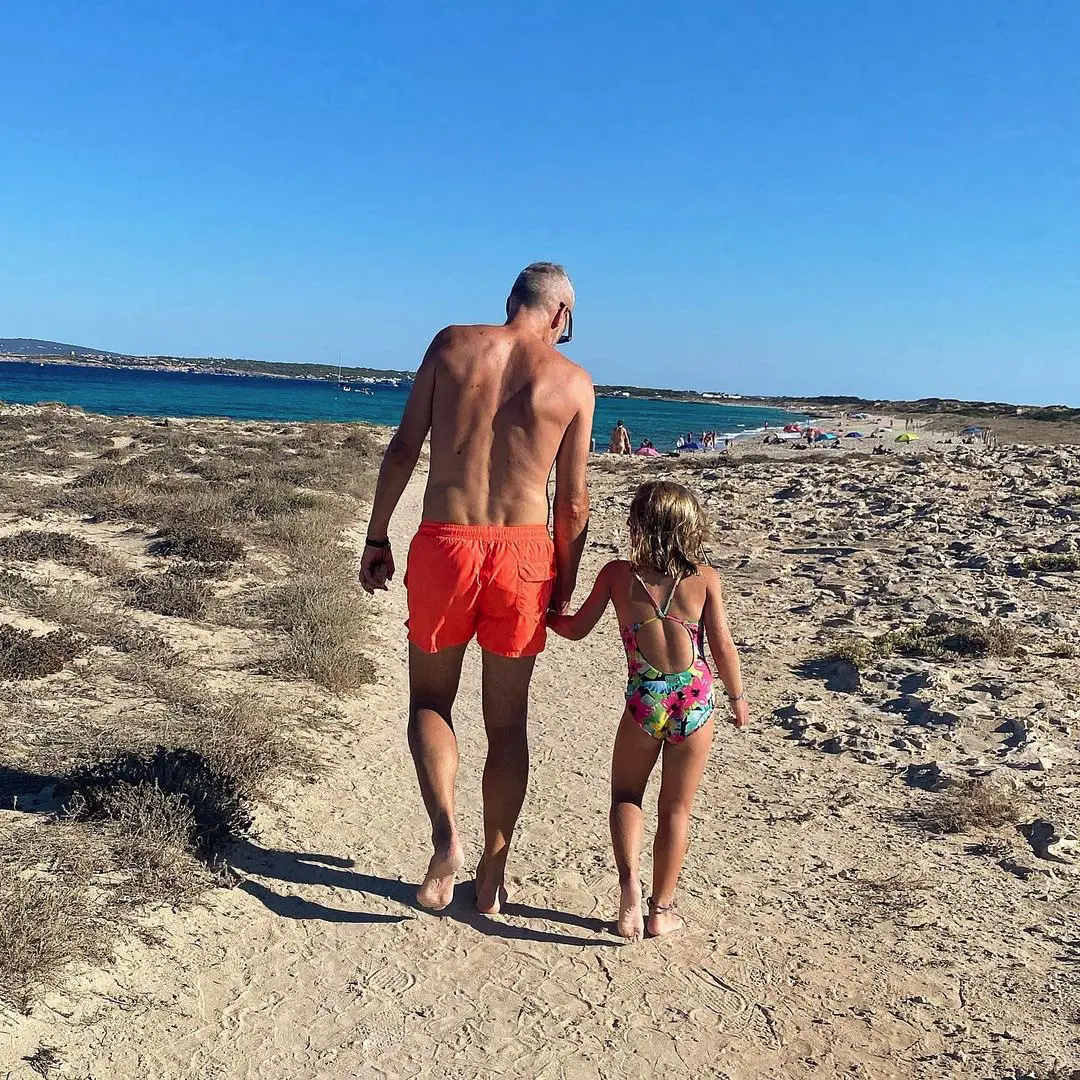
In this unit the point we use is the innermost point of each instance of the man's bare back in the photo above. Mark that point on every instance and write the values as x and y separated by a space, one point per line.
502 403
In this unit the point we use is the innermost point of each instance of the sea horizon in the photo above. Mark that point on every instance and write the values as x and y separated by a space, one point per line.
120 390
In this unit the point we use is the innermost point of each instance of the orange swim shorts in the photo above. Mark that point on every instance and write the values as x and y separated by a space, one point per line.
491 581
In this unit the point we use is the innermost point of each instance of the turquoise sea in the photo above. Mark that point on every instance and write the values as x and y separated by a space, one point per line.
119 392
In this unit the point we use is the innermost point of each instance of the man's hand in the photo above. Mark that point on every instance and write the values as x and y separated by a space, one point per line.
376 568
561 595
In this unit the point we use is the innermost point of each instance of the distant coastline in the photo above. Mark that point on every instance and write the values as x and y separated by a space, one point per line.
198 366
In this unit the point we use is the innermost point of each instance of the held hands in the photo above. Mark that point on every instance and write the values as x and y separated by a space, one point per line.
376 567
561 595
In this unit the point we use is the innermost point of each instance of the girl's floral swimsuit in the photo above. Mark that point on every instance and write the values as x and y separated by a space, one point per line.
667 706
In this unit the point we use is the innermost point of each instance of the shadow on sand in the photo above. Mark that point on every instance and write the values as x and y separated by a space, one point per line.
307 868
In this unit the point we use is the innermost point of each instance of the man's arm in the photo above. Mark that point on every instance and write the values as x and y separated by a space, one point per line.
571 506
377 563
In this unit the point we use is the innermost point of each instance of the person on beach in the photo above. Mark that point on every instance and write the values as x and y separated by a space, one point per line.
667 602
620 439
502 406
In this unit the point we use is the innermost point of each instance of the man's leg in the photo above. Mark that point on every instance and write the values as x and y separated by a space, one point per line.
506 771
433 685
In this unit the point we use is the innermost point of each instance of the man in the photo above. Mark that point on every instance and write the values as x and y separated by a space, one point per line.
502 406
620 440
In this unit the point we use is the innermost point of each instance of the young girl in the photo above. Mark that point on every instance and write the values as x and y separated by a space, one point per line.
664 600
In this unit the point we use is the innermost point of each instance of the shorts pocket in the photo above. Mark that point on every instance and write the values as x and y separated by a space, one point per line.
535 582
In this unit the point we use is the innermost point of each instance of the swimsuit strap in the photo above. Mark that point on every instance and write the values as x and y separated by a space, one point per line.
661 612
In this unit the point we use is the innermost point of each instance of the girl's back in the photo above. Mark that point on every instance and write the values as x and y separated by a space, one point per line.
670 644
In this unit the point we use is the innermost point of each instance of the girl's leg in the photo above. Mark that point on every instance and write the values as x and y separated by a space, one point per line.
633 759
684 766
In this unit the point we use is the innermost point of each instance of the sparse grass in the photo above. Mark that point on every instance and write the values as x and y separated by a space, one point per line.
937 639
265 497
96 616
177 595
45 1061
1051 562
24 655
322 619
159 767
982 802
47 919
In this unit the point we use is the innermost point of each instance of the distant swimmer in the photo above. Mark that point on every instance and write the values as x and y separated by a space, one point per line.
620 440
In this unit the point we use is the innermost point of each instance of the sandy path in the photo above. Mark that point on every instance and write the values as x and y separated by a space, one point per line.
318 965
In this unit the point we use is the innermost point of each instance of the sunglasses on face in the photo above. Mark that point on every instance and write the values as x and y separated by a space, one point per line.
568 330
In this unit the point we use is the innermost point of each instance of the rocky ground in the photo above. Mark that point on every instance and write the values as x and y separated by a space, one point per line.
914 619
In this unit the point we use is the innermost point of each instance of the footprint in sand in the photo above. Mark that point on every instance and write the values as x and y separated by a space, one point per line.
728 1002
379 1032
393 981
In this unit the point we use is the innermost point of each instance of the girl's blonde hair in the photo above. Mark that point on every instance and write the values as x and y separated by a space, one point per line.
668 529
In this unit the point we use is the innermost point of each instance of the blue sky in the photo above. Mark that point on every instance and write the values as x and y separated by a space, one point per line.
879 198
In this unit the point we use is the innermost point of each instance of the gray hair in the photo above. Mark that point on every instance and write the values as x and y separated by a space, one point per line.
543 285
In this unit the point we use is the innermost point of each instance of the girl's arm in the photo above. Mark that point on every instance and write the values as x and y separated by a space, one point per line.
576 626
722 647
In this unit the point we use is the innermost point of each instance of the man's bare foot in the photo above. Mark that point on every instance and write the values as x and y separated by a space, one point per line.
437 889
631 925
490 889
662 918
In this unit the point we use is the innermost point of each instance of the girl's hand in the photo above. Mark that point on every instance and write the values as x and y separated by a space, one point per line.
740 713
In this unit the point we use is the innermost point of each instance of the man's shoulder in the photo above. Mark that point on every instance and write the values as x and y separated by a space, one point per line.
574 376
460 333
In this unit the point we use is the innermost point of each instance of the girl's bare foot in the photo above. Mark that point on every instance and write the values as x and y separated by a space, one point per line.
437 889
662 918
631 925
490 889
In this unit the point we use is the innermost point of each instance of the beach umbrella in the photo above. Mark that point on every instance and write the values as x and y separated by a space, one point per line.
853 435
907 436
972 431
648 451
824 436
792 427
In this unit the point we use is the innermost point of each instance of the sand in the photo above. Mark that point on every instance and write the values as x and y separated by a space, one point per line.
831 932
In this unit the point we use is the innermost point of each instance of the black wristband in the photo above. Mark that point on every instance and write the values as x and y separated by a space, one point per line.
376 543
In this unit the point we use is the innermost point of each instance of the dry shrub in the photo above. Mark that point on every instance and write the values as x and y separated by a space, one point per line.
322 619
24 655
178 595
217 469
197 544
983 802
172 799
939 638
29 545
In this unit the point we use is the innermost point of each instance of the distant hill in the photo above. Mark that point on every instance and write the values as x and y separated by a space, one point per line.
21 346
58 352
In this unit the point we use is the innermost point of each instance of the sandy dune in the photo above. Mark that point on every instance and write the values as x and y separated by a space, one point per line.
830 932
